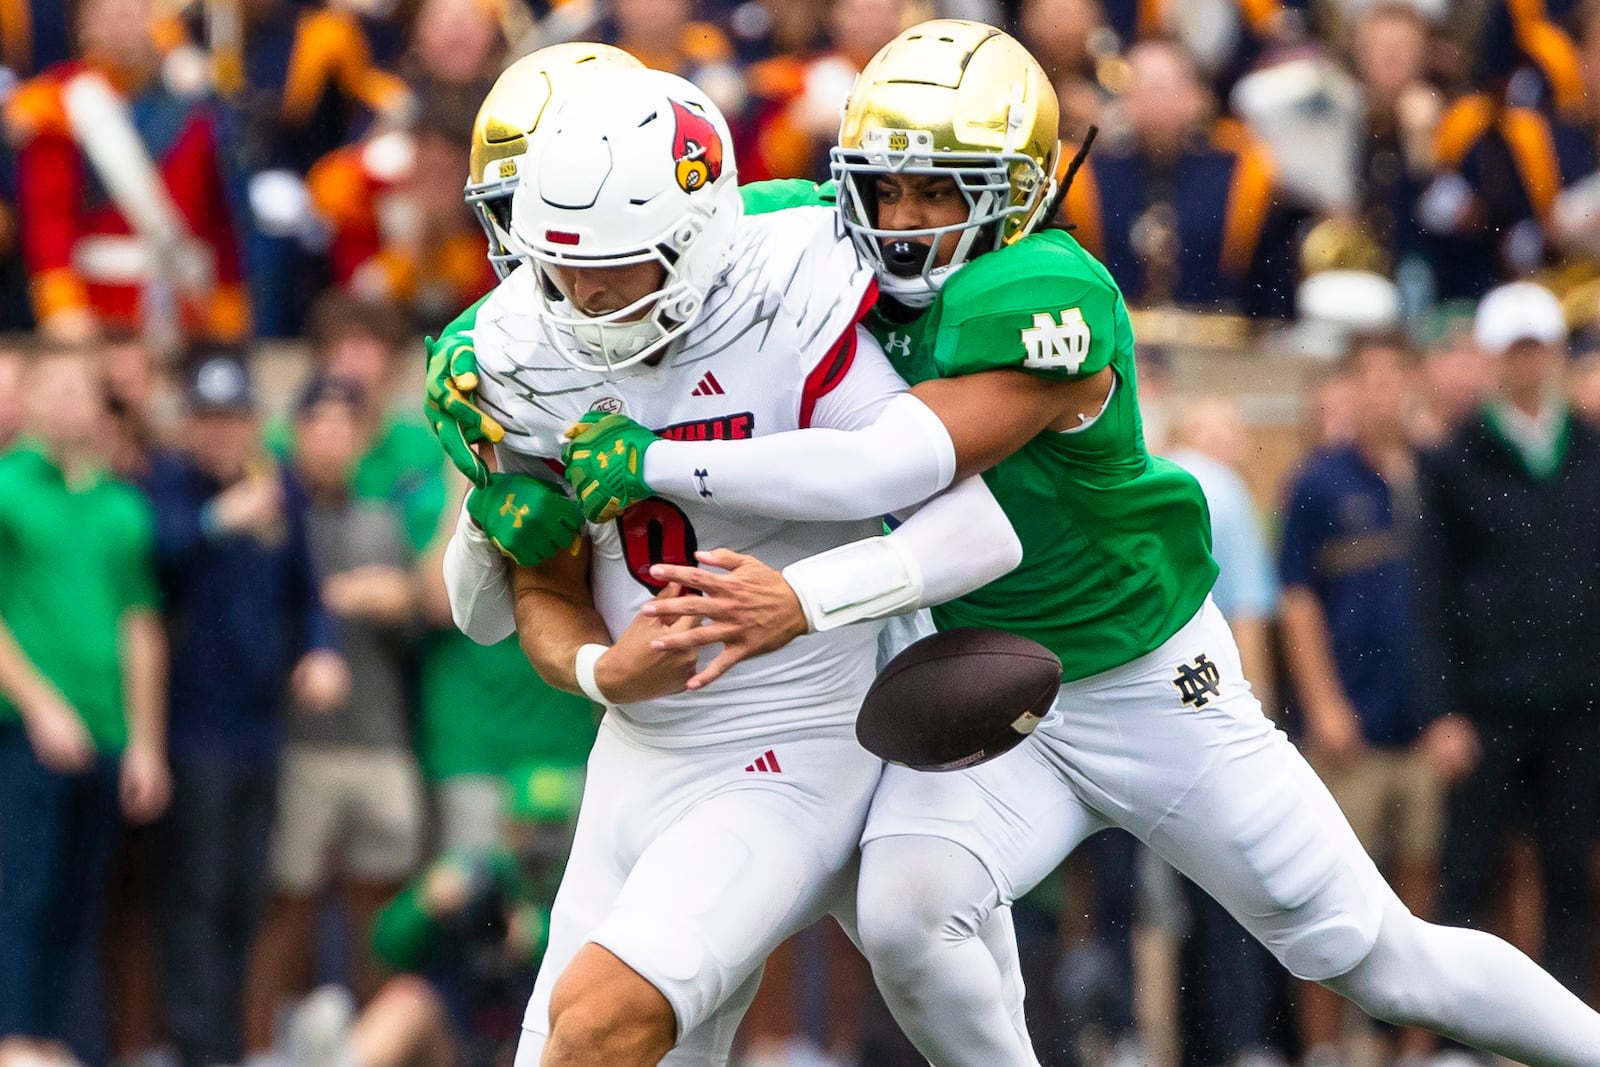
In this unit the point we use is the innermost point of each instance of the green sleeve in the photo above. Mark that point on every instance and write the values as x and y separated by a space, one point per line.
779 193
467 319
402 930
1058 328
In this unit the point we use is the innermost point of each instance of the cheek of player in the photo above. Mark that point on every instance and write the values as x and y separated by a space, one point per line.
602 290
922 202
992 414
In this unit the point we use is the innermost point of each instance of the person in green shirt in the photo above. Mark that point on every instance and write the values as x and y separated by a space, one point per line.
1019 349
82 699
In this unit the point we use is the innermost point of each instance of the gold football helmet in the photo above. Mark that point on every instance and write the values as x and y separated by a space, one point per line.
510 112
956 99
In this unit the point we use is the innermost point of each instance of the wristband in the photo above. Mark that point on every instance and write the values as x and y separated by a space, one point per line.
868 579
583 667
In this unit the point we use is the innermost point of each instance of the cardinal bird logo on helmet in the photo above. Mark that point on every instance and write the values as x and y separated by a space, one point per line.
697 146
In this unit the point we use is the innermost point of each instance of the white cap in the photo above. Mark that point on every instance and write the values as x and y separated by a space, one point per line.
1521 311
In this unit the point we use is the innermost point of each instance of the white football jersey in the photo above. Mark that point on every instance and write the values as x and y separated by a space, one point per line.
776 348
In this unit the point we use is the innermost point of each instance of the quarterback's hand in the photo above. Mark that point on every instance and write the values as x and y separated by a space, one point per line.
750 610
456 421
635 669
605 463
527 519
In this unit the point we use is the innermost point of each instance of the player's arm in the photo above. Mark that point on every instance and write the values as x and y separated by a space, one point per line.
514 517
568 644
1000 393
956 542
948 546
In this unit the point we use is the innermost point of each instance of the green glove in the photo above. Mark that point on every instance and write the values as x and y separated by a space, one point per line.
527 519
605 463
456 421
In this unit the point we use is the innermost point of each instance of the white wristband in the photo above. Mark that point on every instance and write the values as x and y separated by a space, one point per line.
869 579
583 667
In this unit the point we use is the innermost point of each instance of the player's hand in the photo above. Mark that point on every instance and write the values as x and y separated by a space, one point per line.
527 519
1333 733
456 421
750 610
605 463
146 785
60 740
634 669
1451 744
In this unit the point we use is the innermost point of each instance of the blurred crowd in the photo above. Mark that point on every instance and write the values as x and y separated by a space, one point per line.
260 803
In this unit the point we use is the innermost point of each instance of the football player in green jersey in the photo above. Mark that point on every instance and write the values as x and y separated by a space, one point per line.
1020 351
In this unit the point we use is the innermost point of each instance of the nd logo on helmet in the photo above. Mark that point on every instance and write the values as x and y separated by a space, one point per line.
899 141
698 149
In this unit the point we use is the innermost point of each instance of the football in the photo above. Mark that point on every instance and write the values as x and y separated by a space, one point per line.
957 699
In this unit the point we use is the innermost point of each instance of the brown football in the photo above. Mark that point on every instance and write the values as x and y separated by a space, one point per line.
957 699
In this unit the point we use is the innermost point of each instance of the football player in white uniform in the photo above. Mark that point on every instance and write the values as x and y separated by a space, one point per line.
717 823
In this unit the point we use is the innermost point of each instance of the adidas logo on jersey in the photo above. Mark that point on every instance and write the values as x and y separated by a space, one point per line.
766 763
708 386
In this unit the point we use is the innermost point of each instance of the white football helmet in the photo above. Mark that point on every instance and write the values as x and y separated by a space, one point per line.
637 168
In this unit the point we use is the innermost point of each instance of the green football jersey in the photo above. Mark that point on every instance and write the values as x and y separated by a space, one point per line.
1116 543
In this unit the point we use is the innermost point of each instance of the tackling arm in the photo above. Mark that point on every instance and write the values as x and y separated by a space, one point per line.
946 428
956 542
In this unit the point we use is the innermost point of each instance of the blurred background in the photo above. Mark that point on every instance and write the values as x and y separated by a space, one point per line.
225 226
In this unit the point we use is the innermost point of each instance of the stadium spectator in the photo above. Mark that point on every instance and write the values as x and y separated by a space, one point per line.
670 35
246 622
454 55
1533 41
400 232
1182 209
82 706
117 236
312 76
365 342
1390 53
1069 38
796 98
1349 620
350 809
1502 163
1456 378
1511 515
473 924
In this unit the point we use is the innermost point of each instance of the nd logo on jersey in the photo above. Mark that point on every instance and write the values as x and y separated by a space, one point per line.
1053 345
